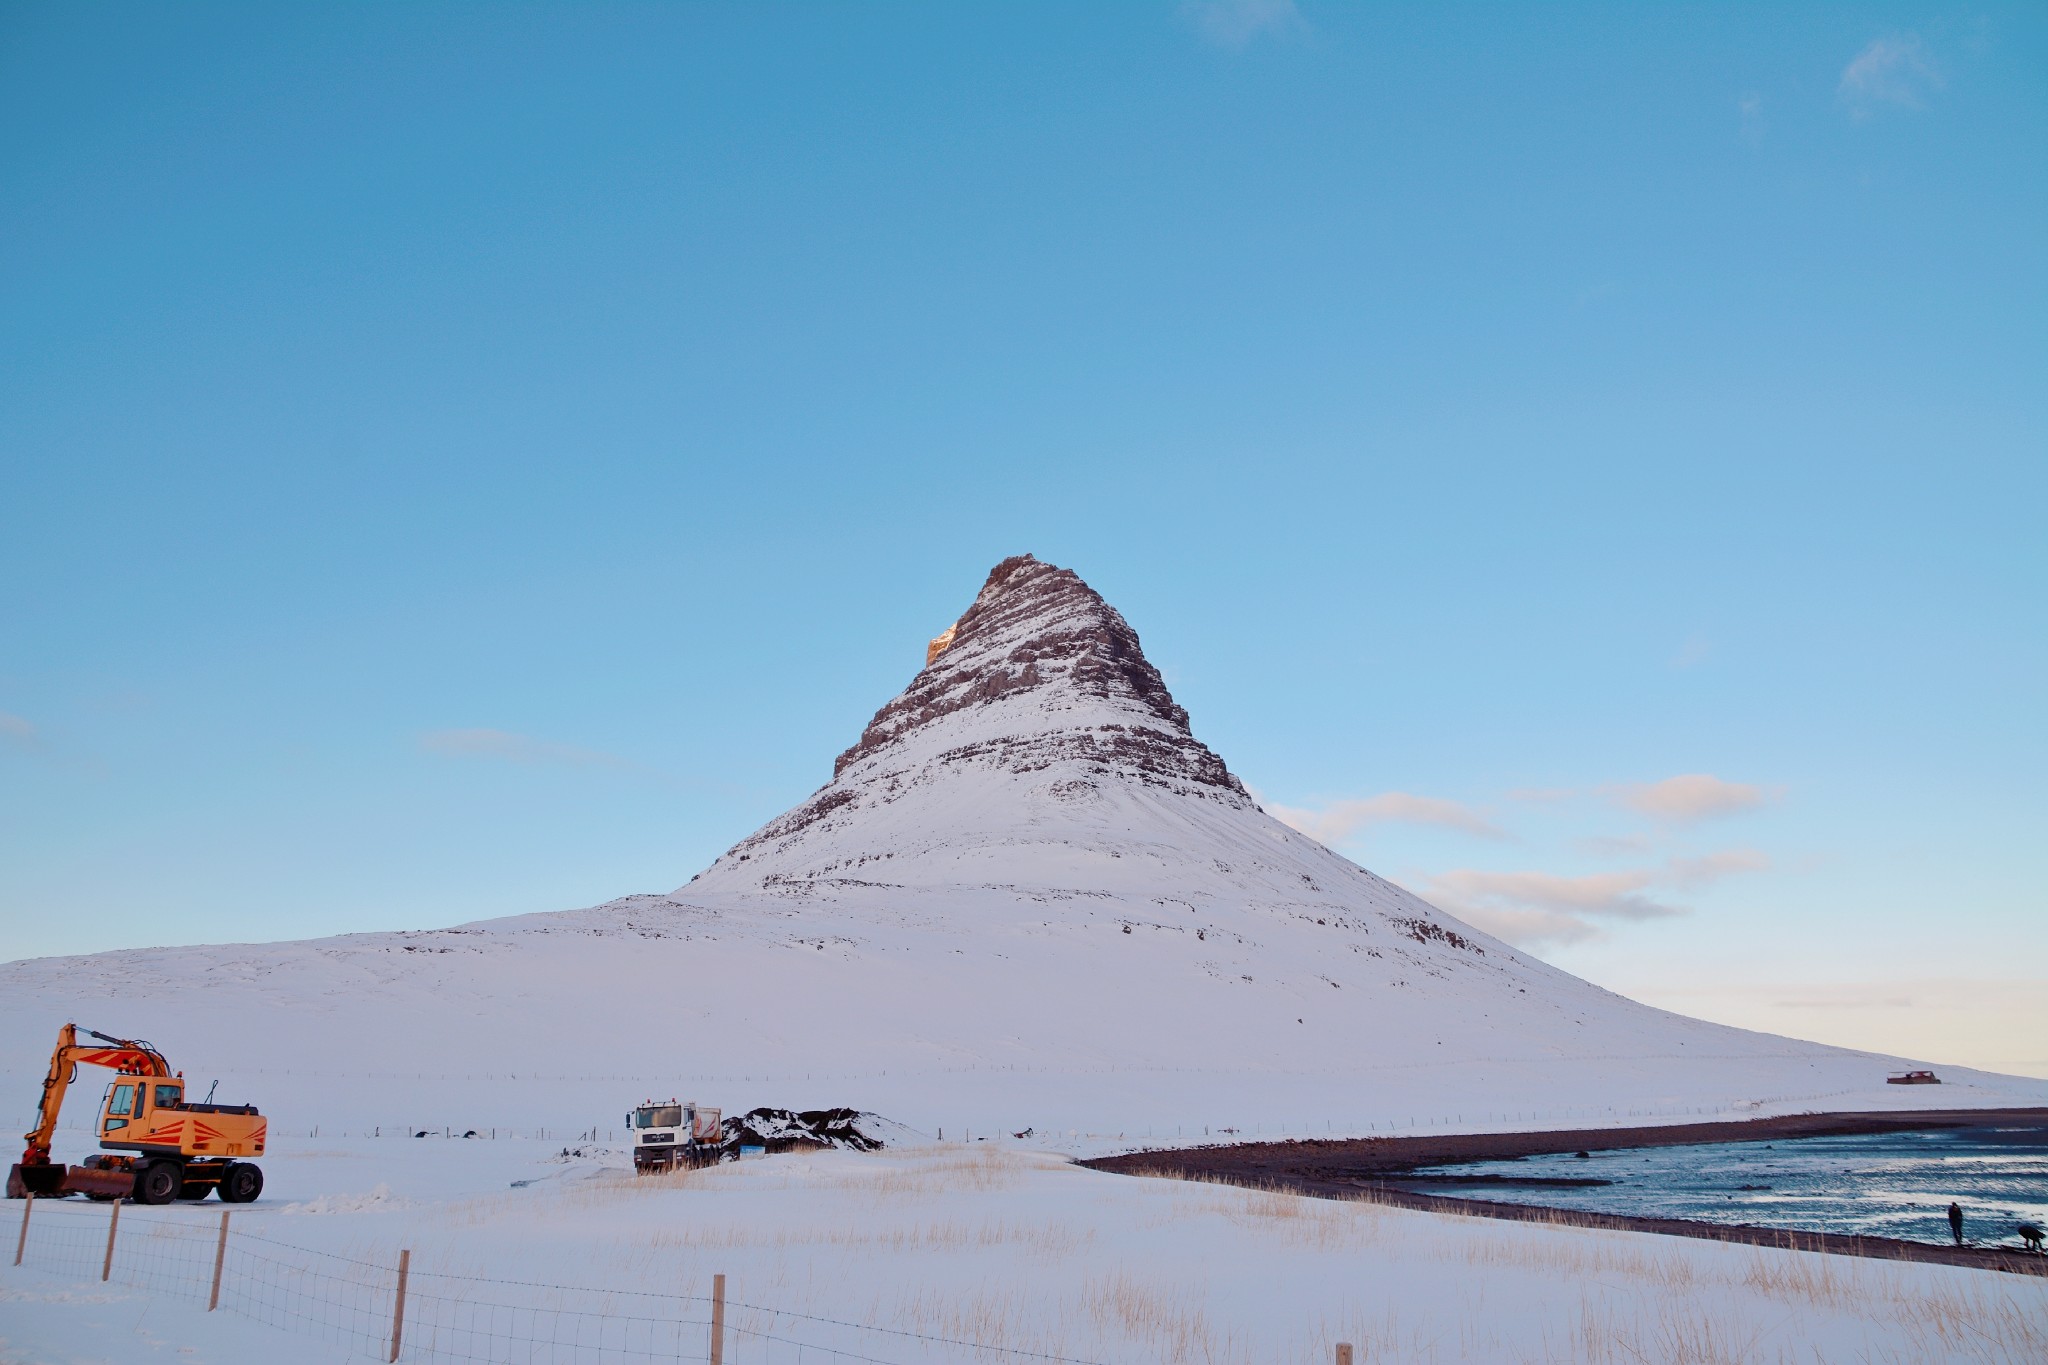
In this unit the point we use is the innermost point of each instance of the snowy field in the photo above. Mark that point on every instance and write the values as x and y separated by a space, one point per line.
954 1252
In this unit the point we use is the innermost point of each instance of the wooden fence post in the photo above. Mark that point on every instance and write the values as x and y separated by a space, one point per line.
1343 1353
21 1243
113 1225
398 1307
220 1256
718 1320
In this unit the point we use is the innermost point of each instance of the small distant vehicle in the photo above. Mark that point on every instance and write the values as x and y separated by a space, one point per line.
675 1133
1912 1078
157 1146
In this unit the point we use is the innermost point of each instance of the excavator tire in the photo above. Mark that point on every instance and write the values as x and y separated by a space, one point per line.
159 1182
240 1183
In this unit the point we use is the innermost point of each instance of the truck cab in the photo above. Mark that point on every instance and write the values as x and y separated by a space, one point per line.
672 1133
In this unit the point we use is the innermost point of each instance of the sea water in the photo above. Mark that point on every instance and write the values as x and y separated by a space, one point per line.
1882 1184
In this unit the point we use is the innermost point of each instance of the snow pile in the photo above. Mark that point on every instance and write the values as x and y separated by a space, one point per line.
377 1200
1029 898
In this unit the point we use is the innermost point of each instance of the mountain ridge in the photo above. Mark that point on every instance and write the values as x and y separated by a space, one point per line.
1026 896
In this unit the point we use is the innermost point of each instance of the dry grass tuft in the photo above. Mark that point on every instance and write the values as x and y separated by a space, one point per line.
1051 1240
977 1170
1671 1334
1169 1322
996 1319
1803 1277
1319 1224
1973 1322
1583 1254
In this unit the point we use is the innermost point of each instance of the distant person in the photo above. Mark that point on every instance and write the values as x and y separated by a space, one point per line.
1955 1222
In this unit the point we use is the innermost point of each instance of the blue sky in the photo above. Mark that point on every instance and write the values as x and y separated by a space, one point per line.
460 460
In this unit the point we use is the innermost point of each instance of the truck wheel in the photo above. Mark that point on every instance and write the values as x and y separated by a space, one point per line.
240 1183
159 1182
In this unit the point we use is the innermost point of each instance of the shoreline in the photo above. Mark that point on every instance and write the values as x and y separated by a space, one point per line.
1373 1168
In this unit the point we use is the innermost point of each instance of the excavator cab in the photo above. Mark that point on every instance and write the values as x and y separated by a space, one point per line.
120 1108
131 1107
134 1106
149 1115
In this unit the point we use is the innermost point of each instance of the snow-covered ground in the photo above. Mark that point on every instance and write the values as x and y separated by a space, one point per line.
902 1256
946 1008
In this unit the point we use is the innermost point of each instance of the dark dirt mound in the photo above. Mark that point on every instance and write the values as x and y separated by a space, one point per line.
1395 1159
784 1130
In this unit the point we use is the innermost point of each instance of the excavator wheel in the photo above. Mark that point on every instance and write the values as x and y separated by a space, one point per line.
159 1182
240 1183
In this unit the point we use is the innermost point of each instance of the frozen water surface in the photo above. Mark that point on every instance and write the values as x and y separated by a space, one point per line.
1884 1185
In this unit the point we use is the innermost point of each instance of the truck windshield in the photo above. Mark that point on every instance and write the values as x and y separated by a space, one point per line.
660 1116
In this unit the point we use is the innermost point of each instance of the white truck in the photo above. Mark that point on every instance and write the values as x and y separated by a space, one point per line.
672 1133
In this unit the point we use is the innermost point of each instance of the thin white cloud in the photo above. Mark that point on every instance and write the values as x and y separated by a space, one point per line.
1616 894
1688 797
19 729
1750 105
1545 909
1693 652
1713 867
1524 926
1233 23
1897 71
1613 845
513 748
1334 823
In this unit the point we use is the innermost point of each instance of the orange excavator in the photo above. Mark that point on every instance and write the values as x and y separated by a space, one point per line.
158 1147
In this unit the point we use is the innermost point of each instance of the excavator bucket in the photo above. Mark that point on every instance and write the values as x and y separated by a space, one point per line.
45 1182
40 1181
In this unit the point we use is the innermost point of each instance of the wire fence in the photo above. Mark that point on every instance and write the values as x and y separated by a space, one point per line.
388 1311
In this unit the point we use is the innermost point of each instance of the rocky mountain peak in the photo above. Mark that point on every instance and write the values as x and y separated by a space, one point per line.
1039 674
1037 635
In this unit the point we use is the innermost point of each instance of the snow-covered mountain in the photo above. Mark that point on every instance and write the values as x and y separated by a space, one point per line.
1028 896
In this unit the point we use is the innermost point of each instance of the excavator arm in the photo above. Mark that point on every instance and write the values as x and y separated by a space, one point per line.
123 1055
